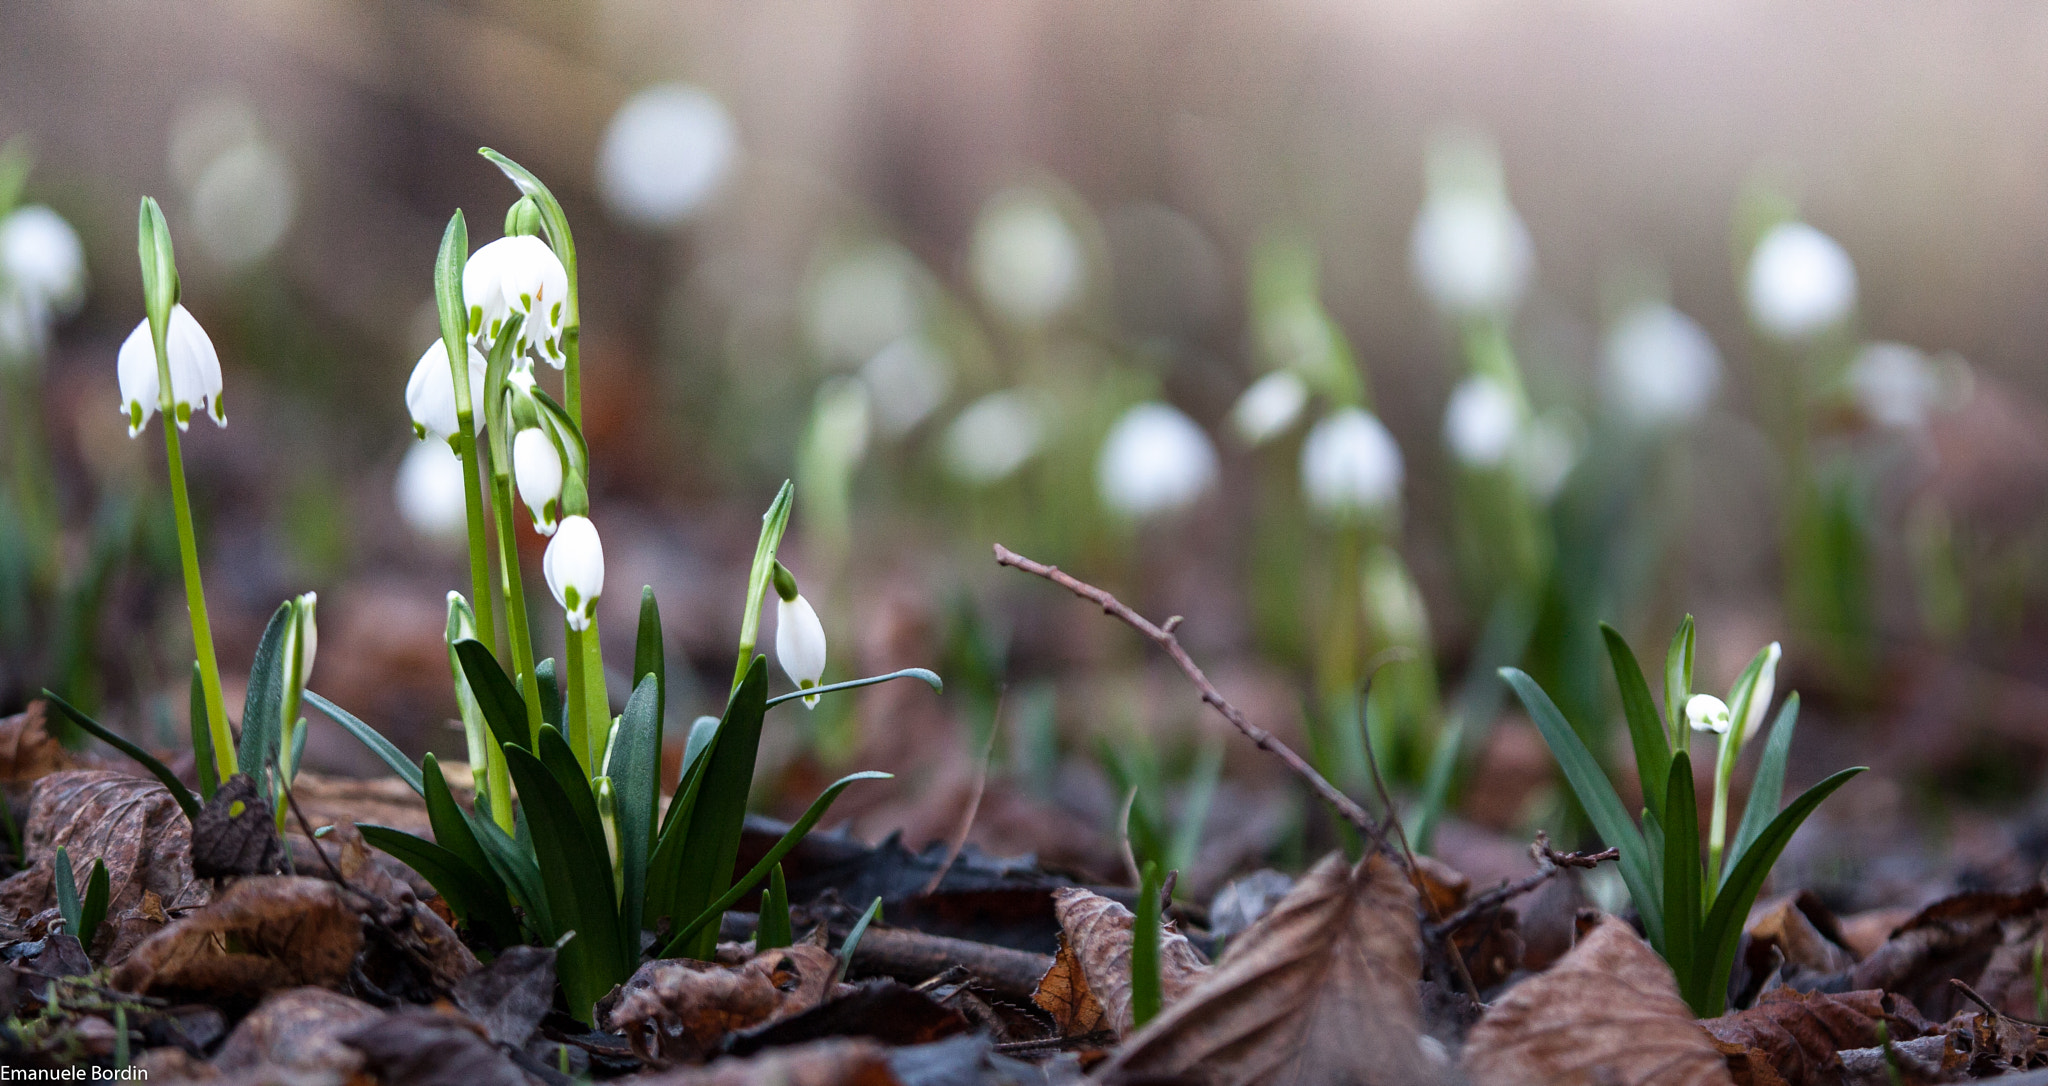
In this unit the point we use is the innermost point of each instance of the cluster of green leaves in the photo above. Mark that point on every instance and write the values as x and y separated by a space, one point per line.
1692 913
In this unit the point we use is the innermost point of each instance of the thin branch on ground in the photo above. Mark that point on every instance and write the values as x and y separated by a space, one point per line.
1549 862
1163 636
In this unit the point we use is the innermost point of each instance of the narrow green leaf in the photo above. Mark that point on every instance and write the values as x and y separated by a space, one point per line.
1678 676
708 919
451 830
650 659
551 216
1145 948
202 738
774 930
504 710
552 708
773 523
928 677
1596 795
851 946
1723 927
635 769
1645 729
66 885
665 868
385 750
262 722
513 862
1682 878
713 842
573 446
94 908
471 895
1768 789
186 801
577 874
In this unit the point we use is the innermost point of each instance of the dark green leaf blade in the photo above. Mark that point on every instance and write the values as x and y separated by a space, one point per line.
774 930
93 909
576 872
713 841
1768 789
664 869
512 861
504 710
385 750
649 658
65 882
635 769
186 801
1645 728
548 681
1682 872
470 894
262 708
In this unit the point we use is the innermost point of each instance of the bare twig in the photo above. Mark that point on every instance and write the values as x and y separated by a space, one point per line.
1163 636
1549 862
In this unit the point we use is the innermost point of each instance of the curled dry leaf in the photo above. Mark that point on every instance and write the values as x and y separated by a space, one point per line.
1096 938
676 1010
263 934
28 752
295 1035
1806 935
511 995
236 833
1799 1033
1321 989
819 1063
1063 993
1607 1014
1952 938
129 823
423 1047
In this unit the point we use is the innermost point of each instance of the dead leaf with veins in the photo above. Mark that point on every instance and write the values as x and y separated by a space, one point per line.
1800 1033
1096 937
263 934
677 1011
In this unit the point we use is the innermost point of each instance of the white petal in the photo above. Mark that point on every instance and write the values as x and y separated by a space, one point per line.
1026 258
665 153
994 437
1269 406
135 366
483 291
1471 253
1156 460
573 566
799 641
1481 422
1350 465
195 366
429 491
1801 282
1660 368
1707 713
537 468
430 391
40 255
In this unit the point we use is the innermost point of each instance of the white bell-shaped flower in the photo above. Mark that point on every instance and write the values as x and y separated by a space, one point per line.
1801 282
574 569
1660 368
1025 257
1707 713
1155 460
1470 252
665 154
305 636
537 468
1350 465
1481 422
429 491
430 392
1269 407
521 275
40 255
799 642
195 373
1895 385
1756 701
993 437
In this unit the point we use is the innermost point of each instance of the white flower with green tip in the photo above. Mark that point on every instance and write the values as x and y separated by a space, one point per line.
573 566
195 373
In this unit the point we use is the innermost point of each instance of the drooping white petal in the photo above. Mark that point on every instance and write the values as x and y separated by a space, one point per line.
1269 406
1801 282
531 281
1481 422
1707 713
41 256
483 292
993 437
429 491
1660 368
573 566
537 468
1155 460
135 367
430 392
1350 465
800 643
195 368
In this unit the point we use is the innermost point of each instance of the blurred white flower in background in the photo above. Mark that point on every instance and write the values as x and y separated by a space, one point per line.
909 379
241 189
428 491
24 329
1155 460
1026 259
42 259
862 301
1800 282
1659 368
666 153
840 420
1481 422
1547 451
1350 465
1269 407
1470 252
1895 385
993 437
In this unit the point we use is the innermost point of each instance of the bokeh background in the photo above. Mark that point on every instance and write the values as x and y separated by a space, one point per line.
814 235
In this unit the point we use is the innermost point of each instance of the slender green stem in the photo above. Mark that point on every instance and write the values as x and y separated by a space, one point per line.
195 602
572 371
473 513
578 707
513 585
1717 829
597 706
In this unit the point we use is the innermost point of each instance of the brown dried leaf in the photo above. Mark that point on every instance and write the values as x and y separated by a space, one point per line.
1096 933
678 1010
1952 938
1799 1033
423 1047
819 1063
1607 1014
1321 989
129 823
1805 933
261 935
296 1034
1063 993
236 833
28 751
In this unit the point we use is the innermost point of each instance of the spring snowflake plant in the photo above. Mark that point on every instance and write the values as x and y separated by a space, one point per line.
1692 911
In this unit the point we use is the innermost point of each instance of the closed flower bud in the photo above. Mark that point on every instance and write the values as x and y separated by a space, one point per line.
1350 466
799 643
305 636
518 275
1707 713
430 393
537 468
1756 701
574 568
194 366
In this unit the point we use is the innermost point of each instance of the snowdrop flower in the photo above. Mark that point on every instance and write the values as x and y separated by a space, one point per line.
1471 253
1660 369
519 274
1801 281
429 491
1481 422
994 437
195 373
1707 713
1026 258
1269 407
909 379
665 154
430 392
573 566
243 203
537 468
1155 460
1894 384
1756 701
41 258
1544 457
863 301
24 327
1350 465
304 639
799 636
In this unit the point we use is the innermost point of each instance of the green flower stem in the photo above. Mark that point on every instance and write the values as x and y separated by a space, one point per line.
1717 829
572 370
455 341
510 582
597 707
195 592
